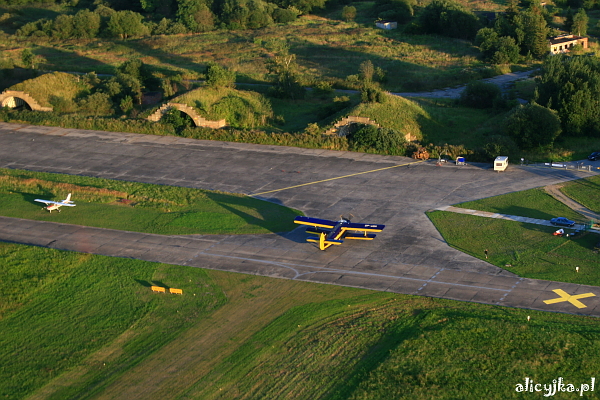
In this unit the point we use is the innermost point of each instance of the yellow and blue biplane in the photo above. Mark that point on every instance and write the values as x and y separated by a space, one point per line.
333 232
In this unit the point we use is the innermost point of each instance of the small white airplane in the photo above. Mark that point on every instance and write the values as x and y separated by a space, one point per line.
56 205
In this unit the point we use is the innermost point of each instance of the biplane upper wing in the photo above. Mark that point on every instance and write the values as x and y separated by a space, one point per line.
316 222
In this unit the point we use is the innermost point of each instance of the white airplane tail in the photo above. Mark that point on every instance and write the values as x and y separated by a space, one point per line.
68 199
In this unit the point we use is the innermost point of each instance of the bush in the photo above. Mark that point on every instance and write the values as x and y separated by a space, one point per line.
533 126
349 13
480 94
96 104
219 77
384 140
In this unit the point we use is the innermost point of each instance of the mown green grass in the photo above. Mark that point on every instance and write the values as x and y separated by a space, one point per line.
532 203
385 346
585 191
139 207
82 326
57 308
528 250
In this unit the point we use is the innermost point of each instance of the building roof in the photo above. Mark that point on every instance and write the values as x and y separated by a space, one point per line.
565 39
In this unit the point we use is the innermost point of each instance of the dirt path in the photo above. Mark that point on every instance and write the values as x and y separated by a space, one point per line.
504 81
554 191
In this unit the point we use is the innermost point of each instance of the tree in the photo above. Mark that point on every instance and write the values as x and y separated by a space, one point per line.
447 18
580 23
366 70
86 24
349 13
533 126
63 28
28 58
568 23
394 10
126 24
286 80
532 32
571 86
480 94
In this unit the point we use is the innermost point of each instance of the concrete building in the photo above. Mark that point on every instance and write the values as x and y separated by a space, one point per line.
563 43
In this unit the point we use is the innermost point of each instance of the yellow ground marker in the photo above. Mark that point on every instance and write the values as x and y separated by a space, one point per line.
332 179
564 296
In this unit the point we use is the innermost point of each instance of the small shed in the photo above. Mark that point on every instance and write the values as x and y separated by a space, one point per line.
500 163
386 25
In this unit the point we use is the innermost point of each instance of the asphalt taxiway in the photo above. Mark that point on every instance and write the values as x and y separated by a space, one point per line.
408 257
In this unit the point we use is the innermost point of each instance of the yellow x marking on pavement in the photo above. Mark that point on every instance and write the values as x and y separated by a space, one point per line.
564 296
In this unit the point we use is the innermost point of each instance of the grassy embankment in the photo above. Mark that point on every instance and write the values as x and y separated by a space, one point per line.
526 249
139 207
326 49
81 326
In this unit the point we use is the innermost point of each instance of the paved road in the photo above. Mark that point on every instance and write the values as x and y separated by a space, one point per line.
409 256
503 81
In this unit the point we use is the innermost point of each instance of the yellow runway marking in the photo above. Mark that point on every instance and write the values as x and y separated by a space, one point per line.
332 179
564 296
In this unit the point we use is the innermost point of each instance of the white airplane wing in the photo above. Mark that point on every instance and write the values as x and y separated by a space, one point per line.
44 201
48 202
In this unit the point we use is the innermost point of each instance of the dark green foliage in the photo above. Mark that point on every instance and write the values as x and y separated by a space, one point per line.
348 13
571 86
447 18
168 27
497 49
286 79
196 15
177 119
96 104
372 94
580 23
28 58
86 24
219 77
394 10
533 126
568 22
532 32
304 6
126 104
479 94
281 15
499 145
339 103
62 105
385 140
125 24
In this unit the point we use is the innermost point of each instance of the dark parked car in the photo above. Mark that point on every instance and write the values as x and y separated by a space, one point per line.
561 221
594 156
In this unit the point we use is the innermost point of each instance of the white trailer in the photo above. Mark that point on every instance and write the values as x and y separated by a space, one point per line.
500 163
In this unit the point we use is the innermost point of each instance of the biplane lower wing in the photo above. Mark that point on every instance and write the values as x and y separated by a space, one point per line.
360 236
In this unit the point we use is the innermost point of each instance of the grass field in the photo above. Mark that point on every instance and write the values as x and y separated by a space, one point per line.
83 326
526 249
139 207
532 203
584 191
